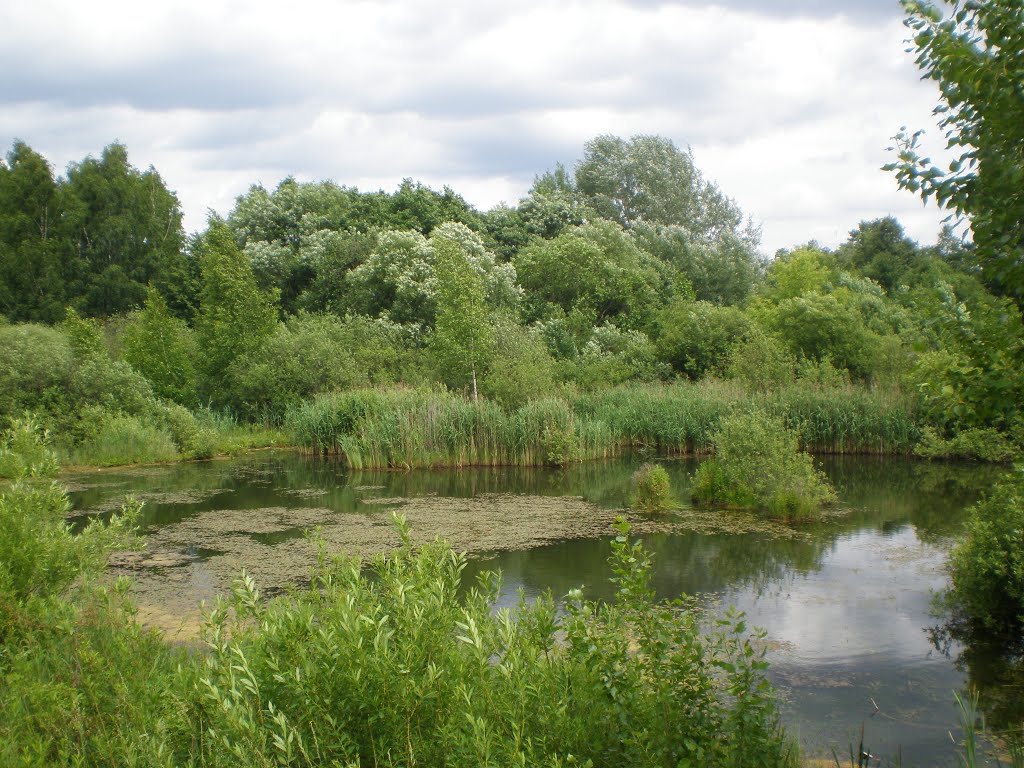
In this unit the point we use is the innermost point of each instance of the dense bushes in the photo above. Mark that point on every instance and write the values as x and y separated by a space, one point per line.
651 489
987 567
758 464
404 665
395 664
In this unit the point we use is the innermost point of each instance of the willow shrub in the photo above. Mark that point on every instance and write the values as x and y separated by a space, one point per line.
987 567
758 464
80 683
401 665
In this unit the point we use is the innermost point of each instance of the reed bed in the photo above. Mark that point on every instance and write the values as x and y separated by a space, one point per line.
430 428
407 428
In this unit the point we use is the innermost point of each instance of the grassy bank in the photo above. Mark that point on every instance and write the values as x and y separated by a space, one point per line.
376 428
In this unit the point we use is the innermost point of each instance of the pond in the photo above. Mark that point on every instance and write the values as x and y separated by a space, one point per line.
845 602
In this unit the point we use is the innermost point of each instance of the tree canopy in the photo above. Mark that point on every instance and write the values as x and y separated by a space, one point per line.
975 52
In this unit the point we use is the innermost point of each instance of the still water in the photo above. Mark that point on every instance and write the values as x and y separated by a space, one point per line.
845 602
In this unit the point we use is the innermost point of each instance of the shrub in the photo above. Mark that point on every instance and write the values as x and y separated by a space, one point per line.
193 439
36 362
80 683
163 349
697 336
979 444
651 488
521 369
761 361
987 566
401 660
24 451
117 438
758 463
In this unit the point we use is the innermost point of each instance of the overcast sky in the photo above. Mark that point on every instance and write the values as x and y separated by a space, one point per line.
789 105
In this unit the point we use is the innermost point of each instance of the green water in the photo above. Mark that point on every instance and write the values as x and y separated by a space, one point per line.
845 602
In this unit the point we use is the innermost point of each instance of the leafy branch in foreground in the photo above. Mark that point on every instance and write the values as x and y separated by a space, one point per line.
976 55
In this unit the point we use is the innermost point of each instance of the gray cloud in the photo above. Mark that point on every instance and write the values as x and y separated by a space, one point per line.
818 9
194 79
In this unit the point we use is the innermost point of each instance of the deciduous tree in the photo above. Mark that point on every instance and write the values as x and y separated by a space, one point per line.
975 52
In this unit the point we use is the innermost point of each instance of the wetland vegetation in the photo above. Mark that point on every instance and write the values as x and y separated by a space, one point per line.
620 309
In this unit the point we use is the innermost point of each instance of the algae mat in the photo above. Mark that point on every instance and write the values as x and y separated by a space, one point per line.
195 559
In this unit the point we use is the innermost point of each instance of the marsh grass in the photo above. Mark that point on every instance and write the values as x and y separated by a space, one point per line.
376 428
122 439
426 428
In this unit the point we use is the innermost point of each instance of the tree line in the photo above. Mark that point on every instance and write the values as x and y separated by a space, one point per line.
630 268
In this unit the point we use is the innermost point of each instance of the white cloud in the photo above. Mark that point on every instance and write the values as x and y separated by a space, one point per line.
788 108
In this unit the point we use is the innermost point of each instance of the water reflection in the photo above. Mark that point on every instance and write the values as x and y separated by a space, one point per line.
845 602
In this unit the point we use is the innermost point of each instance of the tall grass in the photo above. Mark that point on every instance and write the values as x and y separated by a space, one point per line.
681 417
122 439
426 428
375 428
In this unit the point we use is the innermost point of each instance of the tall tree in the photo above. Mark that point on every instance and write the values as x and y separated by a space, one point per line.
975 52
648 178
235 317
462 341
125 227
33 256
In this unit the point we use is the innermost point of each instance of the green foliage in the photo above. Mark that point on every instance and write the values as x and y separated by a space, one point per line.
36 364
85 335
976 55
34 272
401 663
125 230
696 337
24 451
462 342
520 369
758 463
192 438
80 683
880 251
596 268
797 273
979 444
398 279
722 271
163 349
235 318
987 566
113 439
649 179
39 556
609 356
651 488
760 361
303 238
970 376
307 355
